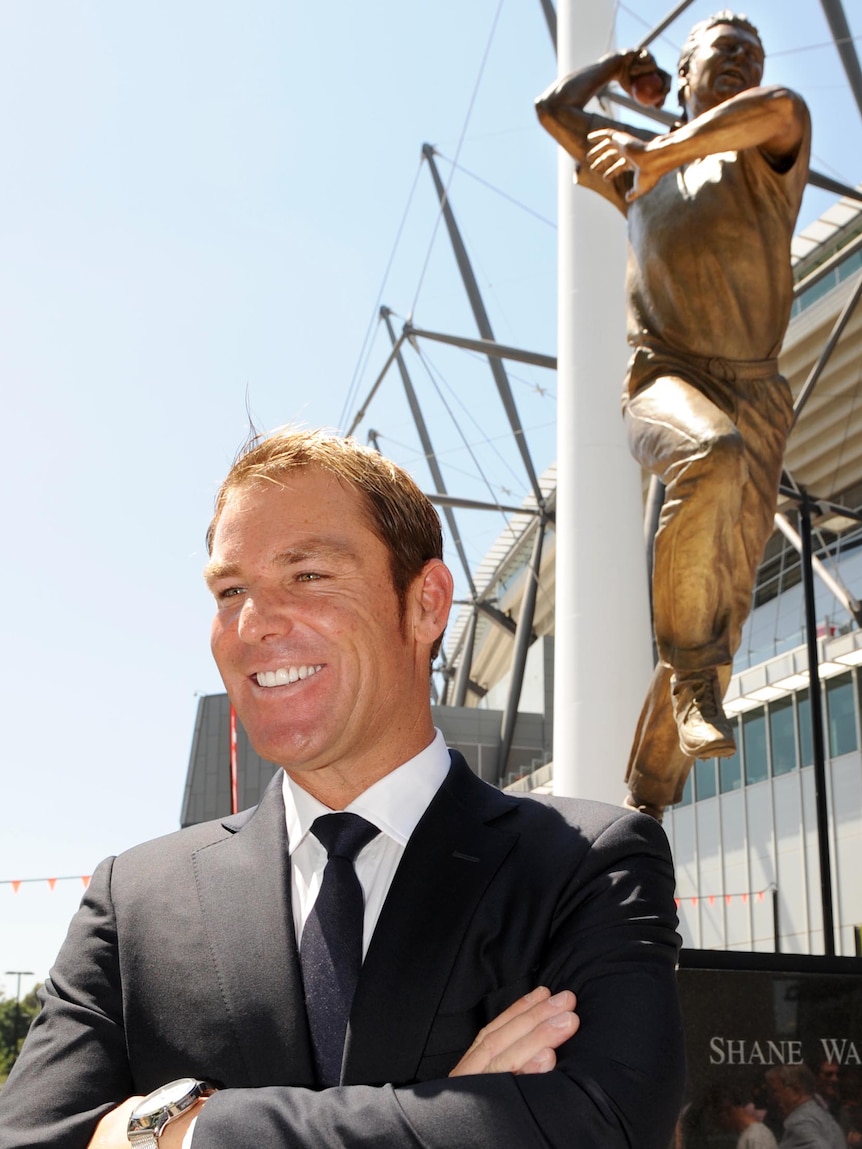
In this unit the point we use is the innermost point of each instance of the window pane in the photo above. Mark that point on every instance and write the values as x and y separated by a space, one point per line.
842 715
803 710
687 792
705 785
730 771
754 746
782 738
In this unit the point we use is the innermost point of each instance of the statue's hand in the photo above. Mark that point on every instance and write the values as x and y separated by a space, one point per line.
643 79
611 153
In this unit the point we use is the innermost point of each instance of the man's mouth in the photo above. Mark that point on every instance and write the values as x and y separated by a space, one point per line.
285 675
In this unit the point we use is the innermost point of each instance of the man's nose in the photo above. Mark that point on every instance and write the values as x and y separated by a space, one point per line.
263 616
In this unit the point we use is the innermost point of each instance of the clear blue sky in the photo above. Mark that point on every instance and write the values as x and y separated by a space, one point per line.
198 209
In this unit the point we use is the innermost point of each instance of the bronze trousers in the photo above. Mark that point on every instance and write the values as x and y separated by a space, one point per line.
714 432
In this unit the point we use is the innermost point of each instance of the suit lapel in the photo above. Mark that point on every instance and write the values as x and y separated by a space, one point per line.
243 885
447 866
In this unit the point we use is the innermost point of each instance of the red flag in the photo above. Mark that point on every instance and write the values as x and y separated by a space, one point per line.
678 902
694 901
234 796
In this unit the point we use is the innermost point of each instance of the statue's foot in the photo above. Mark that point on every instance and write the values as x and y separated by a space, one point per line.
631 803
704 730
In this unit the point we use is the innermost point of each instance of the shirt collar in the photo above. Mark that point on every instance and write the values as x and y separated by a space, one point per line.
395 803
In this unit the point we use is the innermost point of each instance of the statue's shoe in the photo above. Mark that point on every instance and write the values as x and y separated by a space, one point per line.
704 730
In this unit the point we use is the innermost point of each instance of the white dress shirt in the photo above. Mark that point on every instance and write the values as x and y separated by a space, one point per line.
394 804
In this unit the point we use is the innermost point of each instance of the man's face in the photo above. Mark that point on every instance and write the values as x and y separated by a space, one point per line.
828 1079
327 678
783 1097
727 61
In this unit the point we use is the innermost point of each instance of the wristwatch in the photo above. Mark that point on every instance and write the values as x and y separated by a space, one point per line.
159 1108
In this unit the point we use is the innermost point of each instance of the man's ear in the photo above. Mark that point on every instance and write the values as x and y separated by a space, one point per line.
431 596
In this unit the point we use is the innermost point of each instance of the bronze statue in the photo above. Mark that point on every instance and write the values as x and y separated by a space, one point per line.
711 206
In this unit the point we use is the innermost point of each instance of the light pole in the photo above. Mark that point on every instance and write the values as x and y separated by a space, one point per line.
16 1017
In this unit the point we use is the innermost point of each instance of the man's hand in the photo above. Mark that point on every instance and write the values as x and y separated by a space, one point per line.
524 1038
611 153
111 1131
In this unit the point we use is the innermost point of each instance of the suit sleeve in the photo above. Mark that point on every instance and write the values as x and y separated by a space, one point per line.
618 1081
45 1103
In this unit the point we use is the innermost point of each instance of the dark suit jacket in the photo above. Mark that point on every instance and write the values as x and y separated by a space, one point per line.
182 962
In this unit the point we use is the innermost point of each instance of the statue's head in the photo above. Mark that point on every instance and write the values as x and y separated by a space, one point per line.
723 55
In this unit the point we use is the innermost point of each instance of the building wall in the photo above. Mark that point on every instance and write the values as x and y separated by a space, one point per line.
746 830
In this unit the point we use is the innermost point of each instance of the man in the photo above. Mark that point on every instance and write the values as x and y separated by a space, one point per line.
484 914
807 1125
827 1081
732 1109
711 207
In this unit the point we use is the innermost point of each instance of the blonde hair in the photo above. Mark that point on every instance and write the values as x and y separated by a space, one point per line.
397 511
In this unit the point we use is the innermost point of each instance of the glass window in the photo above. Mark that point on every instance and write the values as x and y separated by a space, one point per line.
842 715
687 792
754 747
803 712
730 771
705 783
782 737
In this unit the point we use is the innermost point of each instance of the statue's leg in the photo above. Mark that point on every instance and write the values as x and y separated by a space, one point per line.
657 768
677 433
693 445
764 420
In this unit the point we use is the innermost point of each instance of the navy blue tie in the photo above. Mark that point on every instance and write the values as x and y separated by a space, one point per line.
330 953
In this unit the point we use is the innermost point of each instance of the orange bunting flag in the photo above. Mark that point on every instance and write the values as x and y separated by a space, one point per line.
678 902
711 899
15 886
760 895
85 878
694 901
728 898
51 883
745 899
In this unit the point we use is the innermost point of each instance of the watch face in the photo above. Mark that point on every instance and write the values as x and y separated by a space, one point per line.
168 1095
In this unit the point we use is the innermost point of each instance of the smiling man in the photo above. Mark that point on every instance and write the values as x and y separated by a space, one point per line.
253 983
711 207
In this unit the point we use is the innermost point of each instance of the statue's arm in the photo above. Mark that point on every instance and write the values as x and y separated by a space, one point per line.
561 108
773 119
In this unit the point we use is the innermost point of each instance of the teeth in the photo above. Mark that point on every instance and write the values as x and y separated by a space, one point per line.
286 675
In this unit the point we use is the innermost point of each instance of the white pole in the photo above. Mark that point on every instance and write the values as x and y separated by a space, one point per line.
603 649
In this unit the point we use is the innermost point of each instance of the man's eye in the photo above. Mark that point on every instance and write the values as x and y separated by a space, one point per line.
229 592
308 576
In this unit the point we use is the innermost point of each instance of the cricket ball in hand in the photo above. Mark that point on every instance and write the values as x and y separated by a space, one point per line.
649 89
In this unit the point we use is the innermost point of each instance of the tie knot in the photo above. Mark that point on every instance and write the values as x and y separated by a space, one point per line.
343 835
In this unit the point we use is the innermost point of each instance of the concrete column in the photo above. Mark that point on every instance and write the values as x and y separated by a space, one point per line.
603 655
